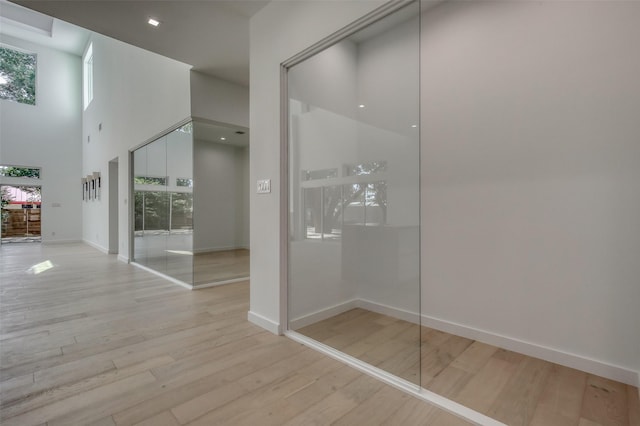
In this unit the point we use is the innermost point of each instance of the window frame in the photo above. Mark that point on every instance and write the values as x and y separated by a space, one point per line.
87 77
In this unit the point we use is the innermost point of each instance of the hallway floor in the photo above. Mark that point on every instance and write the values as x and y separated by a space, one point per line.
86 339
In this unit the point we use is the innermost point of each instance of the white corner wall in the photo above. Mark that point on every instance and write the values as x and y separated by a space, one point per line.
278 31
137 95
531 177
47 135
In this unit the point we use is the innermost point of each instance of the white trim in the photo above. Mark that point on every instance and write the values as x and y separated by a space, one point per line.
323 314
217 283
452 407
166 277
401 314
264 322
96 246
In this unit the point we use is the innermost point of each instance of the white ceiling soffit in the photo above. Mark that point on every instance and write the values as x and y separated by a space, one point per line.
222 134
210 35
25 24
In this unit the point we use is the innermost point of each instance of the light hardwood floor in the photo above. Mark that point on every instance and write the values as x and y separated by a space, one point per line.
215 266
85 339
510 387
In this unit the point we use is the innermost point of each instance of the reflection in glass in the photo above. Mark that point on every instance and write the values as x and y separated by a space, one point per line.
172 196
163 212
353 251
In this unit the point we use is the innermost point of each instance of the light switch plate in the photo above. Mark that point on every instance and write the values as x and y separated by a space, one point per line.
264 186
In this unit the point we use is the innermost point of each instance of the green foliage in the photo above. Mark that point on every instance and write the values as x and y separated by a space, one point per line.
12 171
6 196
152 210
18 70
150 180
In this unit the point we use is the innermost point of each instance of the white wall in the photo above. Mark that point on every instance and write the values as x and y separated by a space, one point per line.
531 173
529 170
279 31
220 195
219 100
137 95
48 135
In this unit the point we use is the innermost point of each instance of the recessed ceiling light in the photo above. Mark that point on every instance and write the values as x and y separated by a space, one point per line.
414 125
361 106
223 139
153 22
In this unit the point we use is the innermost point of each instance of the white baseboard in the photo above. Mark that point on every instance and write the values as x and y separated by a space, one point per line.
323 314
96 246
217 283
401 314
264 322
557 356
166 277
578 362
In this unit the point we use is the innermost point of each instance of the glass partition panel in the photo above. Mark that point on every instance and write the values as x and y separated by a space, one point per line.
193 178
140 200
150 185
354 195
221 193
179 249
163 205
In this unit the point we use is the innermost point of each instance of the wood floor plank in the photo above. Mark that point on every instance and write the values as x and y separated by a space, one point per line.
416 412
605 402
61 392
633 397
47 379
561 399
163 419
483 389
371 411
518 399
50 413
474 357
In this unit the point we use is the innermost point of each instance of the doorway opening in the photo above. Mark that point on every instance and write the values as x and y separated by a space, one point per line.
21 213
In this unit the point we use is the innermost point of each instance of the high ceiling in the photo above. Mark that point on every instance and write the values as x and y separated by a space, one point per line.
210 35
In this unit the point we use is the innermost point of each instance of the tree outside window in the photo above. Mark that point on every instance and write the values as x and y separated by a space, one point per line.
17 76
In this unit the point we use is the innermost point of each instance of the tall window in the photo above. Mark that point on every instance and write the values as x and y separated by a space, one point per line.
17 76
87 71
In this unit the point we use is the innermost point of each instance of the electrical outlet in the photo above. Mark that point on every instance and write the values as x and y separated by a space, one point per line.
264 186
